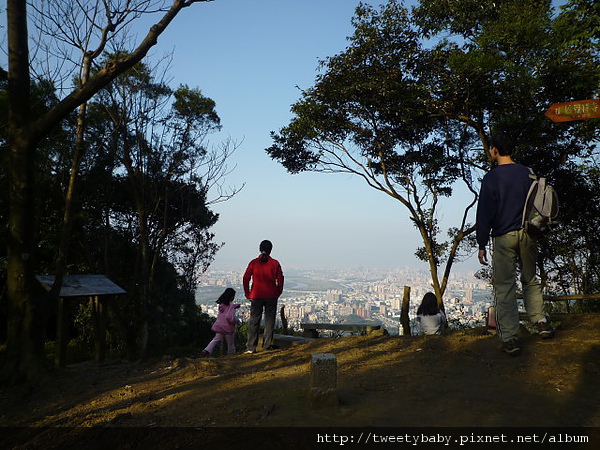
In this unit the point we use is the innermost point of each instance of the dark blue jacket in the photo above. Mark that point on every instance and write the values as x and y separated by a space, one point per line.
501 201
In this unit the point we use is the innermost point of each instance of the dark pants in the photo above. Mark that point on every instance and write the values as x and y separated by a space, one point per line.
256 310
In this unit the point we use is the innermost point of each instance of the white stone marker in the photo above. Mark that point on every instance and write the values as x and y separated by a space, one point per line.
323 380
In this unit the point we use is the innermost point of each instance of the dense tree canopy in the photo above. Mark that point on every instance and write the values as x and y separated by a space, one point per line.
64 28
142 215
151 172
410 104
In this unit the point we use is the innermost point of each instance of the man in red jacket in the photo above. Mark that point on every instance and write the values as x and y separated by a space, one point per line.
267 284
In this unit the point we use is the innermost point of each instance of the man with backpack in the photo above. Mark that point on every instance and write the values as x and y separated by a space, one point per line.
500 215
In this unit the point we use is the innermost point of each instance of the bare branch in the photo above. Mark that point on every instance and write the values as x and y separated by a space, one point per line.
117 18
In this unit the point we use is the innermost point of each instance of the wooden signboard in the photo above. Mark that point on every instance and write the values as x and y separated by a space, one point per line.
96 287
577 110
83 285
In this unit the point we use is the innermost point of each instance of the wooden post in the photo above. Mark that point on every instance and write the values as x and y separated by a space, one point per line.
62 337
491 321
102 305
284 322
404 320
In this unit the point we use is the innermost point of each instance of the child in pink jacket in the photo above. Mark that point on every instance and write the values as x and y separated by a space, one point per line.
224 326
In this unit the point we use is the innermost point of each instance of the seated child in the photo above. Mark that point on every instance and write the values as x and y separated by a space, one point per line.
431 317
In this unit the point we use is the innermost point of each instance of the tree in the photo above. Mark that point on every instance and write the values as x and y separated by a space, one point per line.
156 154
25 351
410 104
569 261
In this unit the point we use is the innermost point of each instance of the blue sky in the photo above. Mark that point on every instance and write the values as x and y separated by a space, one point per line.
249 56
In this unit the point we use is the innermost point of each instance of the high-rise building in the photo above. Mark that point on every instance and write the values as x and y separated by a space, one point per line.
333 295
469 295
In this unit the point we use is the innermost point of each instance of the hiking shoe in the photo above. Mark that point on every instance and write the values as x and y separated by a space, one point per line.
249 352
272 347
511 347
204 354
544 330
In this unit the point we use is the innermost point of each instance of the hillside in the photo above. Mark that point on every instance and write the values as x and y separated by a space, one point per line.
460 379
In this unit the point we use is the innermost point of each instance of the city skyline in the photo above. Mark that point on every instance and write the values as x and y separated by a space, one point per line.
369 295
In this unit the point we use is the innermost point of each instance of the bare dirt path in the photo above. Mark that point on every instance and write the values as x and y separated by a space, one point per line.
460 379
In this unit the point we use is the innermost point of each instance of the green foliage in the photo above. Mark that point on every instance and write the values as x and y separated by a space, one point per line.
142 216
191 106
410 104
155 198
580 23
570 253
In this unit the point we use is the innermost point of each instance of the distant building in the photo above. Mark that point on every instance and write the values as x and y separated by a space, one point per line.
346 310
363 312
469 295
333 296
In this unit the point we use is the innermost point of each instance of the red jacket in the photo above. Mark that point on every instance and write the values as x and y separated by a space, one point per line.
267 279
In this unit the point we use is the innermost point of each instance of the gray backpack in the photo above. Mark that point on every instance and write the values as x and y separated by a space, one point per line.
541 206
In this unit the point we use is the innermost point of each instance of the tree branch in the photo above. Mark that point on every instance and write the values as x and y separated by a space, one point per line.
105 75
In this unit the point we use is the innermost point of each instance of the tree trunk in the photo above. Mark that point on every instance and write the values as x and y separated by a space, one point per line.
25 355
433 268
67 223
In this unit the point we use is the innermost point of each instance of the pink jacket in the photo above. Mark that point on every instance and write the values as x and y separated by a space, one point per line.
225 322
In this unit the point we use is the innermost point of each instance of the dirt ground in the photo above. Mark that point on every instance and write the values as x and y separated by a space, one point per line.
456 380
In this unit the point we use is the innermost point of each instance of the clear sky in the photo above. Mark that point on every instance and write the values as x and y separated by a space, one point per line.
249 56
